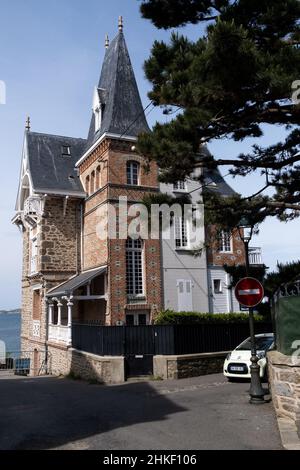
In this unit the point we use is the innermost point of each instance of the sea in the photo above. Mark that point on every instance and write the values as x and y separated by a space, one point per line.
10 331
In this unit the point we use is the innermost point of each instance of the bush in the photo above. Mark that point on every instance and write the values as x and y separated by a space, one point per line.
169 317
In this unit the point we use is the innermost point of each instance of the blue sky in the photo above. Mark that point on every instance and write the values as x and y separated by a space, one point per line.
50 59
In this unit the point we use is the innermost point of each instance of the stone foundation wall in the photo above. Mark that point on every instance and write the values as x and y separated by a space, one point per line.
284 378
108 370
192 365
59 360
86 366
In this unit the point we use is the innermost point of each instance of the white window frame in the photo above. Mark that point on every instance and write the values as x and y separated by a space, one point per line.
222 242
220 291
66 151
179 227
136 318
98 118
180 187
97 109
136 291
130 172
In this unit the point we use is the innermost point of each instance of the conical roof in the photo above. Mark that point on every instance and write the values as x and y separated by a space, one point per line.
122 109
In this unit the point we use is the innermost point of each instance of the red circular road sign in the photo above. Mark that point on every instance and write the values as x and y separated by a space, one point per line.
249 292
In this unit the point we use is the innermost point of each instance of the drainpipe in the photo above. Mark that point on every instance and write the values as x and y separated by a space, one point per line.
81 236
47 334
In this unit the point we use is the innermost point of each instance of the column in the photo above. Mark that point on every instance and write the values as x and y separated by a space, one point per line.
51 311
70 307
59 308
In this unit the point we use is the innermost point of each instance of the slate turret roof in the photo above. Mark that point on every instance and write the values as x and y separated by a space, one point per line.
123 112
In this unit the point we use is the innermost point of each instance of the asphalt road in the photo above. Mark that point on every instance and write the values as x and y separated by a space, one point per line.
200 413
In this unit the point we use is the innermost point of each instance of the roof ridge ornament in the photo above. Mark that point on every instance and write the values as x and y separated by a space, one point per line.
121 24
106 41
28 126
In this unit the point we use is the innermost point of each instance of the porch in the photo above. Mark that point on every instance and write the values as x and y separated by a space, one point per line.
83 298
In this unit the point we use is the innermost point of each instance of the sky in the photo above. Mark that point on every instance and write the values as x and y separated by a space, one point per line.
50 60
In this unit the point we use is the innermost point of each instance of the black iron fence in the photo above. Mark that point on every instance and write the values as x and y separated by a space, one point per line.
161 340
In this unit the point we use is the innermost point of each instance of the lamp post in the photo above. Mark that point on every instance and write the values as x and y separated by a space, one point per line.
256 390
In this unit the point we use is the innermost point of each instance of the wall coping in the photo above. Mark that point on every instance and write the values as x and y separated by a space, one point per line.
193 356
95 357
279 359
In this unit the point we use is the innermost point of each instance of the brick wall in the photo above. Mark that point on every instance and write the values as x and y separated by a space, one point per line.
112 156
217 258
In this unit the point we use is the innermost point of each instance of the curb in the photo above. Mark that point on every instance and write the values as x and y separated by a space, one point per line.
289 434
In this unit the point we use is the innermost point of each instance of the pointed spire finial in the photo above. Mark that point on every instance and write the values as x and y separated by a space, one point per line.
28 124
106 42
121 25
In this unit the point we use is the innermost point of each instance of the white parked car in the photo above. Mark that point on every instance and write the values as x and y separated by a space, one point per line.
237 363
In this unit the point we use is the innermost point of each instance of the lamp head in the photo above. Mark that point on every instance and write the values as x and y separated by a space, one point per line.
245 229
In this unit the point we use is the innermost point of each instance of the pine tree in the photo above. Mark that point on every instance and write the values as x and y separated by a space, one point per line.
237 77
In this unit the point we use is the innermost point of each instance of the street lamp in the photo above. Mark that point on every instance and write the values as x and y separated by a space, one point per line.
246 229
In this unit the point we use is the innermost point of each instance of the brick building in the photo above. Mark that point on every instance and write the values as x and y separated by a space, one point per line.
71 271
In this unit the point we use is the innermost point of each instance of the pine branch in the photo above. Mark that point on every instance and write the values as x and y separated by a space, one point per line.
273 165
283 205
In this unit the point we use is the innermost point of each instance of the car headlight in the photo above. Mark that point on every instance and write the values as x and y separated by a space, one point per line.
228 357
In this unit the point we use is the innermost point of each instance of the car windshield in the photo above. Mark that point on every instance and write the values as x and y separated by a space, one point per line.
263 343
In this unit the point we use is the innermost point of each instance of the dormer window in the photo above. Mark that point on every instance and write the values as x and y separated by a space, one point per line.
98 108
66 151
97 119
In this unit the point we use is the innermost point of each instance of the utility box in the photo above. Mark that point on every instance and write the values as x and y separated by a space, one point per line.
286 318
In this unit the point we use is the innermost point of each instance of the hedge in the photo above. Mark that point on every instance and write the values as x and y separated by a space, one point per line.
169 317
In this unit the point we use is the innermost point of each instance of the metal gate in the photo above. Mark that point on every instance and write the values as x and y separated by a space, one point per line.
139 349
23 363
138 344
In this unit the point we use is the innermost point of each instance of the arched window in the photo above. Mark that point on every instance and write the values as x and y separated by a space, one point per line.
92 188
87 184
133 173
98 178
134 267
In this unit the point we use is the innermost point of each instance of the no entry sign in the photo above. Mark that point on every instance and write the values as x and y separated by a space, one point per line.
249 292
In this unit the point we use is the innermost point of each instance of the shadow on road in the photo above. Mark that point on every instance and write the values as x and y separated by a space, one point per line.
48 413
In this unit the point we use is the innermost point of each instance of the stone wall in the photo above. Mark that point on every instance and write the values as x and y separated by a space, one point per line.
284 378
86 366
107 370
191 365
59 245
59 360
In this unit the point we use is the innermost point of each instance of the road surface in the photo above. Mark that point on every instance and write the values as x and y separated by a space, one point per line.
200 413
